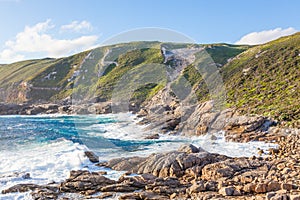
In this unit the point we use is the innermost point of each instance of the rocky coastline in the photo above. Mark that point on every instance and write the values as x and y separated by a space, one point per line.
190 172
54 108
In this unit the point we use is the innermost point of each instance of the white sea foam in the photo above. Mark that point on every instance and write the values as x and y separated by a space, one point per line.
126 129
232 149
47 162
44 162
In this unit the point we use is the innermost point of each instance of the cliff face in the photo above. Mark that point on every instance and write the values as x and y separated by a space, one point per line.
17 93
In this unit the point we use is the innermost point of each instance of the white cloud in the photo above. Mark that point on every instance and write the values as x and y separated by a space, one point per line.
77 26
265 36
35 40
8 56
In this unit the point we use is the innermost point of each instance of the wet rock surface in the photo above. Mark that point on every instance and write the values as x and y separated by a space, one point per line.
92 156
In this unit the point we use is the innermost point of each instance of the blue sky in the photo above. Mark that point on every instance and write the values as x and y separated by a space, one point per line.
59 27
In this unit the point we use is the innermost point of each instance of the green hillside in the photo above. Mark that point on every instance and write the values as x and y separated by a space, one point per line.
51 80
261 79
266 80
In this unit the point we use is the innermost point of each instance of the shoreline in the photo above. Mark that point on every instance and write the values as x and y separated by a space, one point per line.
189 185
188 173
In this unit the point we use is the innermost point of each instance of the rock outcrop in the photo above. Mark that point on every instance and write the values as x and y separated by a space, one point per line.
189 173
204 118
188 160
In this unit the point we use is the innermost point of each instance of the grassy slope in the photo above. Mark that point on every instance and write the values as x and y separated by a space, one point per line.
128 61
129 56
220 53
22 71
59 86
266 80
262 79
217 53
